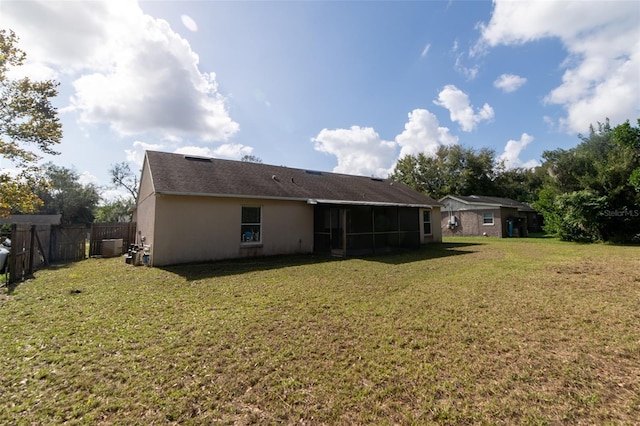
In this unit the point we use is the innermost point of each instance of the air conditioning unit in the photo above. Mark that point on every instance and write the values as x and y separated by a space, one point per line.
112 247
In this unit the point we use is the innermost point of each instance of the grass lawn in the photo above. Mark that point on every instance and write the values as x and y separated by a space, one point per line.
476 331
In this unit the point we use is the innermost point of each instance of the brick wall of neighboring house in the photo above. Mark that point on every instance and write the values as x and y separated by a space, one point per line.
510 218
470 223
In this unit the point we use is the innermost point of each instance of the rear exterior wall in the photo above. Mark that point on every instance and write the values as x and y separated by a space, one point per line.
199 229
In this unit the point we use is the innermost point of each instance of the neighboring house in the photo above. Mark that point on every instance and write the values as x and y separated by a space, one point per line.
32 219
475 215
195 209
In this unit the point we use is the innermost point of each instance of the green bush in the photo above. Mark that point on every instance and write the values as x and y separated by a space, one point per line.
580 215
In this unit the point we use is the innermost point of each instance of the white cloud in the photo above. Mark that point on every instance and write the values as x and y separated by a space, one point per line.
129 70
189 23
469 72
425 51
228 151
68 38
512 150
35 71
460 109
422 133
603 42
549 122
199 151
86 178
519 22
509 82
530 164
136 155
359 150
111 195
232 151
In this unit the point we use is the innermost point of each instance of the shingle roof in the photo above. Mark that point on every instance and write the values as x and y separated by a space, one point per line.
497 201
189 175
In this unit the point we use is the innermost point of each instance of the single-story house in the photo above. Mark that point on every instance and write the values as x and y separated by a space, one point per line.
197 209
476 215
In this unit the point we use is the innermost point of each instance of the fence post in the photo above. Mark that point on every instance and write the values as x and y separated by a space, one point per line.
13 264
32 245
53 237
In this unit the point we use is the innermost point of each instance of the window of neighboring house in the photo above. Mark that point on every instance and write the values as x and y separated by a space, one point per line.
487 219
251 228
426 220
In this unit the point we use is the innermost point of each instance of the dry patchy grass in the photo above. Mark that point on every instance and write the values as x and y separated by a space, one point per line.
478 331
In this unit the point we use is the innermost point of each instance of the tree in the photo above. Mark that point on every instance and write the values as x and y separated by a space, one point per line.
590 193
122 176
251 159
452 170
579 216
634 179
67 196
119 210
520 183
629 139
28 122
545 205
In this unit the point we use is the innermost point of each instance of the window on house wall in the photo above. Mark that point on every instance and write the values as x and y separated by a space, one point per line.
426 219
487 219
251 228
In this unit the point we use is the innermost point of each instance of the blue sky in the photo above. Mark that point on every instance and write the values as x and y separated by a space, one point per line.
334 86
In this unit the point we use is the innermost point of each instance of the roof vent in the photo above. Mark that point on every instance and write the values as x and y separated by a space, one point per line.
377 179
313 172
194 158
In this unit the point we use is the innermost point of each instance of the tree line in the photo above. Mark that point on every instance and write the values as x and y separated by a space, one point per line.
458 170
588 193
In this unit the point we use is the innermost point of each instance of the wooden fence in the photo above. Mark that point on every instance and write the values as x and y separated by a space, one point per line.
33 246
107 231
68 243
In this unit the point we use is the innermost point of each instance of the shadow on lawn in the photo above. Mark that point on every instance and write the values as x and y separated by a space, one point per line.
431 251
11 287
197 271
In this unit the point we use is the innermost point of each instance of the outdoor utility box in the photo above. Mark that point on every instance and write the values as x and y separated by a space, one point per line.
112 247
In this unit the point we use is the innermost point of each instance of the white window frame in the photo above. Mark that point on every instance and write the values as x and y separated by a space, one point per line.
484 218
253 239
424 222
